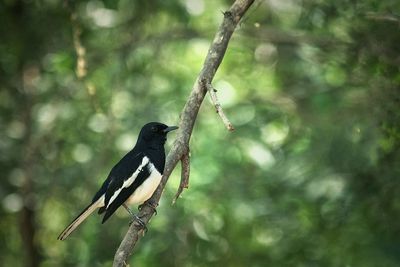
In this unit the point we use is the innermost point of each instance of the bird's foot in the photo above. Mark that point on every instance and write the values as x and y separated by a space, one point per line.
151 205
139 221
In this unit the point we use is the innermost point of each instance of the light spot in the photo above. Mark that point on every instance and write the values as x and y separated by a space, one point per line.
268 237
194 7
200 231
226 93
215 220
46 114
274 133
98 123
125 142
288 11
198 47
335 76
244 212
120 103
17 177
318 18
101 16
242 114
331 187
12 202
266 53
355 134
16 130
82 153
261 155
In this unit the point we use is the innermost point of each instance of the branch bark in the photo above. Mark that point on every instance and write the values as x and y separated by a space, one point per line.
218 108
189 113
185 173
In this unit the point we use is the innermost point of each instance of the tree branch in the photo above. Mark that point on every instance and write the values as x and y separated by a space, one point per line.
185 173
213 95
189 113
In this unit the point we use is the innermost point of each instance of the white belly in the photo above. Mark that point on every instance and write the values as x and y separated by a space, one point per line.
146 189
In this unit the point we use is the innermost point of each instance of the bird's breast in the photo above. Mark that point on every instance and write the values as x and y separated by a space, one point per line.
147 188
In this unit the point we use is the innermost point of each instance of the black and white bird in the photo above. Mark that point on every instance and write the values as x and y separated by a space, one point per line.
133 179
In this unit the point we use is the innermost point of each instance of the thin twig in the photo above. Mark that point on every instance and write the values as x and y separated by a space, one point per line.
383 17
185 173
213 95
80 50
187 120
81 68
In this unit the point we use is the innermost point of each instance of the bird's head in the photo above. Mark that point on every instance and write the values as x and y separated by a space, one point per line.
155 133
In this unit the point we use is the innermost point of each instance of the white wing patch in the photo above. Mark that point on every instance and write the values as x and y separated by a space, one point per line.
130 180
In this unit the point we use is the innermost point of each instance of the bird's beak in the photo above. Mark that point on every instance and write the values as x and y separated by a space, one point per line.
170 128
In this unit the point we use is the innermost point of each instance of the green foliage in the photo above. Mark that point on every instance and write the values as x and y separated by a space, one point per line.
309 178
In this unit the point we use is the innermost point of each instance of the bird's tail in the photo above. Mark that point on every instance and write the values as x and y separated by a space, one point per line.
80 218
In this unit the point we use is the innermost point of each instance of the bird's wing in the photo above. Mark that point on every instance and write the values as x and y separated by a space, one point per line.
126 193
123 175
124 182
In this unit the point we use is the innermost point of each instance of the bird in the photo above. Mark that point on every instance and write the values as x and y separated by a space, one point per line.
132 180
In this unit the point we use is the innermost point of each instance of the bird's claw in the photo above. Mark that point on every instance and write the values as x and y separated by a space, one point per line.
139 221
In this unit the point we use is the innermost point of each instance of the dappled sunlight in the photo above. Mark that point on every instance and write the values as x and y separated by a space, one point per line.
16 130
82 153
101 16
266 53
125 141
243 212
261 155
242 114
268 237
194 7
226 93
17 177
309 177
200 231
46 115
330 187
12 203
274 133
120 104
197 50
98 123
288 11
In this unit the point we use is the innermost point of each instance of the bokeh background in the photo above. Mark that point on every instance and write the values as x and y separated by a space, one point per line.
309 178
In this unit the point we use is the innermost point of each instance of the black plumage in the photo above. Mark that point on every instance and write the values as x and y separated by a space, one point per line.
133 179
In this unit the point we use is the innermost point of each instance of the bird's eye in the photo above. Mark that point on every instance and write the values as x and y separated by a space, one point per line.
154 129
